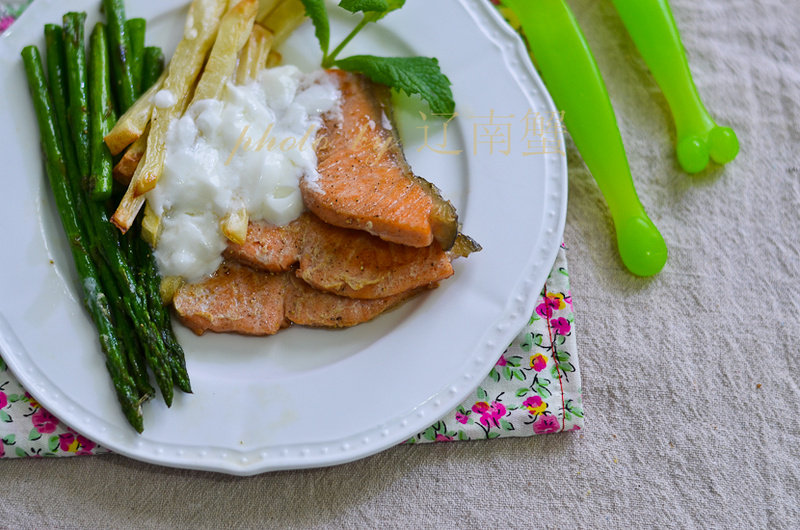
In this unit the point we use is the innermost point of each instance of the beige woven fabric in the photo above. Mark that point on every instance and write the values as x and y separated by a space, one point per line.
678 430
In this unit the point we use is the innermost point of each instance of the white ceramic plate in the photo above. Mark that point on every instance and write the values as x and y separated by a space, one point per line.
303 398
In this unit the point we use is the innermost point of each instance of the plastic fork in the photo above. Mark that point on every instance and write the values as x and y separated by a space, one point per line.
652 27
570 72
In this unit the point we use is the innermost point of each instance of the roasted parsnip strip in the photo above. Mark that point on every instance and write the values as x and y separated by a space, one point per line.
151 226
247 59
274 59
169 286
265 40
126 167
234 31
265 7
234 225
284 19
131 125
205 18
187 61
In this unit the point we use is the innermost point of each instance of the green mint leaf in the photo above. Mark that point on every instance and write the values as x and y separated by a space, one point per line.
315 9
354 6
392 5
412 75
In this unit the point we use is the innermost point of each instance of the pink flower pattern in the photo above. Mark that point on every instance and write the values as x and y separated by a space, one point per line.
535 405
10 11
546 424
490 413
73 442
5 22
560 325
44 422
538 362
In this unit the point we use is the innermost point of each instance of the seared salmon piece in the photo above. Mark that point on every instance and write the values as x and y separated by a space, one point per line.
242 300
346 262
236 299
364 180
268 247
356 264
308 307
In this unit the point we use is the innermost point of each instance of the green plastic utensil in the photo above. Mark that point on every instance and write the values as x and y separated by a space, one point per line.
570 72
653 30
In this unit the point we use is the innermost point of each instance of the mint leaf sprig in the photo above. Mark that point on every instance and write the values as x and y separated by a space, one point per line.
412 75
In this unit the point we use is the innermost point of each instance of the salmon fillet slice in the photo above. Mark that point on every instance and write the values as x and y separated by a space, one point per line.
364 179
269 247
235 298
242 300
308 307
346 262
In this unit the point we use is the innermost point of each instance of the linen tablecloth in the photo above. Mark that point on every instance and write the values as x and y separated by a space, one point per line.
690 378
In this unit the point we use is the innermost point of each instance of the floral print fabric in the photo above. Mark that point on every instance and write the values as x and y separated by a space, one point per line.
534 388
28 430
10 11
